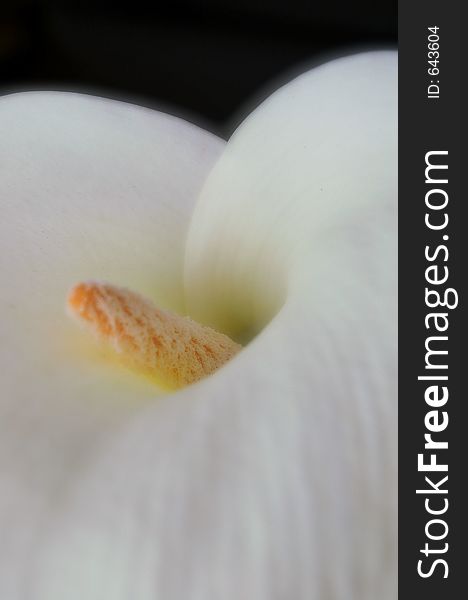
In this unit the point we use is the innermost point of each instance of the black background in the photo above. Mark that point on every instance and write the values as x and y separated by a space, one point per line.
202 59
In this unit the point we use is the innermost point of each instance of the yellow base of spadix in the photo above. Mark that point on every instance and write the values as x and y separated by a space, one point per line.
173 350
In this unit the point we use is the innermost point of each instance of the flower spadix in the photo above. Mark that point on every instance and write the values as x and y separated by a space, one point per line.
174 350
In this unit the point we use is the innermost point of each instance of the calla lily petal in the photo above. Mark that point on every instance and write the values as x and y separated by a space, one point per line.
303 239
276 476
88 188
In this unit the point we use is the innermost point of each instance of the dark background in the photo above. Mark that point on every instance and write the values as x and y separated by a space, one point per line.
204 59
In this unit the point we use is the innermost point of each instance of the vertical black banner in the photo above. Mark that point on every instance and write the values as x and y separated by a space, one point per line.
433 434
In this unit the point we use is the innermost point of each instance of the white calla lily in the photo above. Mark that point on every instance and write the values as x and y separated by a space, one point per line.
275 477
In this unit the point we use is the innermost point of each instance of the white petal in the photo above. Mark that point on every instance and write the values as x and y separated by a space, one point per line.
276 477
89 188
